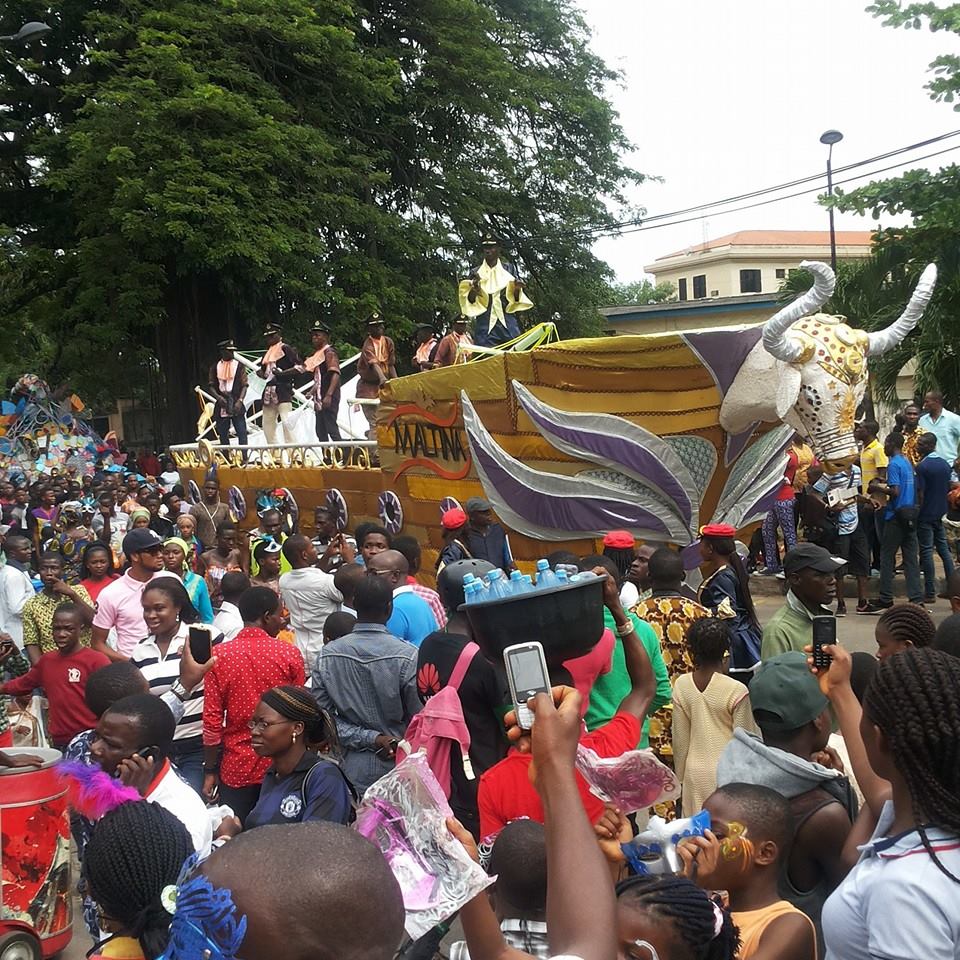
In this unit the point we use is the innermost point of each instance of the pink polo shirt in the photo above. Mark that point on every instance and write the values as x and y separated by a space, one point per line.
119 606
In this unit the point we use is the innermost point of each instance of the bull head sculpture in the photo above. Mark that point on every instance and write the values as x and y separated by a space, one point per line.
809 369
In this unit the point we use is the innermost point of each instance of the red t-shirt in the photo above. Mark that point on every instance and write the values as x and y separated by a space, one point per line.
64 680
507 794
587 668
247 667
93 587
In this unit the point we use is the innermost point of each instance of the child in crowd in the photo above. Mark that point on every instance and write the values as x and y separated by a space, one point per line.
519 897
38 610
743 854
669 918
338 625
707 707
904 626
63 674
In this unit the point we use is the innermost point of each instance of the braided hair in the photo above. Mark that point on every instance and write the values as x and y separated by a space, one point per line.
699 923
298 704
135 851
908 623
914 698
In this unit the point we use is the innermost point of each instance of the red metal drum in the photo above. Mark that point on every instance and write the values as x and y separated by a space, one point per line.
35 895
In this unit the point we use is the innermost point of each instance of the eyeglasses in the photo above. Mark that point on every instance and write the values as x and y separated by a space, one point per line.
254 725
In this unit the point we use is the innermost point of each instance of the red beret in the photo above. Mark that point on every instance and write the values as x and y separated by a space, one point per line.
620 539
718 530
453 519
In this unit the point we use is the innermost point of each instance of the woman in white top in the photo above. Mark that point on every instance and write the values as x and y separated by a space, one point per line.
169 615
902 899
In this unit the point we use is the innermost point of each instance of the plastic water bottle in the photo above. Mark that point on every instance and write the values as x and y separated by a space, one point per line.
528 586
545 576
467 580
519 583
562 578
496 587
471 591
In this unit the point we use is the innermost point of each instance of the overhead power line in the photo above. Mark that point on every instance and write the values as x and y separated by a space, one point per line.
650 222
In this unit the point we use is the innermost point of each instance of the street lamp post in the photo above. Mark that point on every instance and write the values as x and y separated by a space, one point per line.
829 138
29 32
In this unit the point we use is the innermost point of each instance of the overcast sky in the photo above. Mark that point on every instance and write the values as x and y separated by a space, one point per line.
721 98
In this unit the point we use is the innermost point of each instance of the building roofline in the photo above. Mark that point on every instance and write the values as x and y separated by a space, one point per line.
745 301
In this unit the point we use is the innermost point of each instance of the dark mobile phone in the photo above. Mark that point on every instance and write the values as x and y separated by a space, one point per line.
824 634
200 644
150 753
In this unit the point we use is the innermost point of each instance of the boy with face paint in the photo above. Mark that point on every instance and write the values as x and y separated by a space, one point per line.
752 829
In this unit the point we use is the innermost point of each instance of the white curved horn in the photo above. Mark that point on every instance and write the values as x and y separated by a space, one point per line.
775 340
886 339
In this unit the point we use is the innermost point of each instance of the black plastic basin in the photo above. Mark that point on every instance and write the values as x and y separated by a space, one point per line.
567 620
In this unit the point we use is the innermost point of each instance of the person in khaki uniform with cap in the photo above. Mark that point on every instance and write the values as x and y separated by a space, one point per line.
484 537
811 578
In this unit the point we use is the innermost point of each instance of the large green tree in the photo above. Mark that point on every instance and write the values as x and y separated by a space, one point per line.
178 170
932 200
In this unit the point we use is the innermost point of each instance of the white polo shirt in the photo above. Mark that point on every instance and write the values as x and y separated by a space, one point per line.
173 794
896 903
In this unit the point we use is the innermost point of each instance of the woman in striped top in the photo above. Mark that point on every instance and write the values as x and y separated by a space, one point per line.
169 614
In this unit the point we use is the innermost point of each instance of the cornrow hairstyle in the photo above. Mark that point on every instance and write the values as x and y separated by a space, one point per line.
708 640
135 851
914 698
693 915
623 557
908 623
298 704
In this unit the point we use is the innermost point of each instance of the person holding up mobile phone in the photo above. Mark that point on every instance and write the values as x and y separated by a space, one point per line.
506 793
170 616
812 585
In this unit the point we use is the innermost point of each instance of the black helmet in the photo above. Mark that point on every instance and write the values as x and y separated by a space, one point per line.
450 580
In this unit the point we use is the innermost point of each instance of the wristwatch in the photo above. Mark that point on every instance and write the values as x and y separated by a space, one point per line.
179 690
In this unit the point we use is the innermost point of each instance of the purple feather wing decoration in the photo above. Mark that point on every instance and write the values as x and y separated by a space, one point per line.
92 792
553 507
617 443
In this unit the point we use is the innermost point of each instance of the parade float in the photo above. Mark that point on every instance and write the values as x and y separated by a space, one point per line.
655 434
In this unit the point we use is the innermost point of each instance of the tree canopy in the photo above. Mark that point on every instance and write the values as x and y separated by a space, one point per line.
639 292
932 199
179 171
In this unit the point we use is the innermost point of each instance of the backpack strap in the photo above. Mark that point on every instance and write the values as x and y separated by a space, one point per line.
462 665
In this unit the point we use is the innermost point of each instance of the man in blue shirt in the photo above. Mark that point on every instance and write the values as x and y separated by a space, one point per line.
899 527
411 619
942 422
933 485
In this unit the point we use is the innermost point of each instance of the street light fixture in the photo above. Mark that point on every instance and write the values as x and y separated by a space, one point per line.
829 138
29 32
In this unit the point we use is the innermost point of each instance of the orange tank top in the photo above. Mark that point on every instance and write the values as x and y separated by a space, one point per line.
752 923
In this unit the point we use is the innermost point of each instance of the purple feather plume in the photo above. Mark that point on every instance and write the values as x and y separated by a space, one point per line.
92 792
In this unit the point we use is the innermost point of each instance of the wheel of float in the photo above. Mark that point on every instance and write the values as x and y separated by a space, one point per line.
449 503
391 512
338 509
237 503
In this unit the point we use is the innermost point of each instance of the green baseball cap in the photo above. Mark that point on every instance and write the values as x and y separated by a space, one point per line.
784 688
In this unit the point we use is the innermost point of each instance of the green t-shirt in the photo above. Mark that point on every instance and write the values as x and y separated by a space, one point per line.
787 629
610 688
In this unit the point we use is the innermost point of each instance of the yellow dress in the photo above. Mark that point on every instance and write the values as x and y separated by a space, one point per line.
703 724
